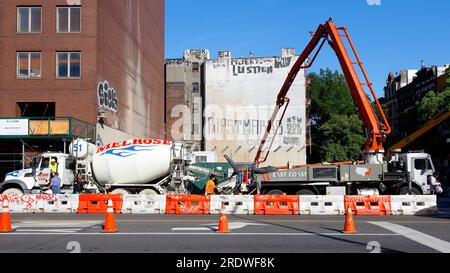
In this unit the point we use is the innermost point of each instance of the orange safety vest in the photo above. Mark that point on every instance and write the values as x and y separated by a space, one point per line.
210 186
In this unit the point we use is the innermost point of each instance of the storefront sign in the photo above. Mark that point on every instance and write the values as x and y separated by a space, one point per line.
13 127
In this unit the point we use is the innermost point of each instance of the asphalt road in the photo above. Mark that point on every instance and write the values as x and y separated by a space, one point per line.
249 234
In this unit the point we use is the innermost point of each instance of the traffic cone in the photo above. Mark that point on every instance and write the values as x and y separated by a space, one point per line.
110 222
5 219
349 222
223 222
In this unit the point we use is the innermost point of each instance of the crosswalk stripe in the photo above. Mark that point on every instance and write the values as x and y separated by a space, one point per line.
417 236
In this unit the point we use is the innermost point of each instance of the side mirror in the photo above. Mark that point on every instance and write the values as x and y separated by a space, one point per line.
33 167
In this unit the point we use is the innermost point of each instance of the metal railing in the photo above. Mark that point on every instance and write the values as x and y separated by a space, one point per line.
62 127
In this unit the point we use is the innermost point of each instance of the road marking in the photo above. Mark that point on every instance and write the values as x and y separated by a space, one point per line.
207 233
422 238
54 224
264 221
214 226
50 230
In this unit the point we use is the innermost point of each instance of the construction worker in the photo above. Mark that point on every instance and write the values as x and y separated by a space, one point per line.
53 166
55 184
210 185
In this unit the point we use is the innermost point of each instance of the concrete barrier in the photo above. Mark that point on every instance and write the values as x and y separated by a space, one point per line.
144 204
414 204
322 205
232 204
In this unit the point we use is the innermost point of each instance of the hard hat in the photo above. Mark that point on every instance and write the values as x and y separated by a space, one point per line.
53 160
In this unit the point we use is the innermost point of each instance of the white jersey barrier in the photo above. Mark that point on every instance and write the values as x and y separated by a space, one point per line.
232 204
144 204
322 205
61 203
414 204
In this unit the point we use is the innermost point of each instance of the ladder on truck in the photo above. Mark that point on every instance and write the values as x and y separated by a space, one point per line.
82 169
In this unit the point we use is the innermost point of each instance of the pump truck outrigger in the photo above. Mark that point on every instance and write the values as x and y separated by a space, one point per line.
404 173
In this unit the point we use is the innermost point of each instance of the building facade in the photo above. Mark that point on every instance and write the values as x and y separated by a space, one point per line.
229 102
80 68
185 90
407 89
402 93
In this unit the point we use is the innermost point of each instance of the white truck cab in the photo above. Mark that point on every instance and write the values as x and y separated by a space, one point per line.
418 166
36 178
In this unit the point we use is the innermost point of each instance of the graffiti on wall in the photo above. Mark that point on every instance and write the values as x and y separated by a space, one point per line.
28 201
289 132
259 66
107 97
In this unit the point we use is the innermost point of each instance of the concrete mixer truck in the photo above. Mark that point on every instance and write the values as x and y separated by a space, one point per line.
135 166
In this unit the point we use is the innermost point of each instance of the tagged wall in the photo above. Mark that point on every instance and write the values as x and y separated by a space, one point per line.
240 96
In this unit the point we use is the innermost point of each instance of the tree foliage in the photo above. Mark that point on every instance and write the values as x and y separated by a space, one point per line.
335 126
432 104
342 138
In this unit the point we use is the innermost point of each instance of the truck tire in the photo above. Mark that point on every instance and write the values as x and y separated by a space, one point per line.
275 192
148 192
120 191
406 191
12 191
305 192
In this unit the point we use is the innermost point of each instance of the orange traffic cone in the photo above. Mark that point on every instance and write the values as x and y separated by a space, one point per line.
110 222
349 222
5 219
223 222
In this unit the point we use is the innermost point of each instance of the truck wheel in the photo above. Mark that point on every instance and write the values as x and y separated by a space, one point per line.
406 191
305 192
148 192
12 191
275 192
120 191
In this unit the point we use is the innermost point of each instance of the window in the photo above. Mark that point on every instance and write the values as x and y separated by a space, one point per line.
421 164
45 164
195 87
68 19
28 64
29 19
194 129
201 158
195 66
68 64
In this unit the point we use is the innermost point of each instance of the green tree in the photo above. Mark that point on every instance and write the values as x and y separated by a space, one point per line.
432 104
329 95
342 138
336 129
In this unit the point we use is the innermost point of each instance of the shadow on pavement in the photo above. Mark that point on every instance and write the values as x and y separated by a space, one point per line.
384 250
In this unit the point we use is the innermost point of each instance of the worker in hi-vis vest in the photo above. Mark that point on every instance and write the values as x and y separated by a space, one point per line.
53 166
210 185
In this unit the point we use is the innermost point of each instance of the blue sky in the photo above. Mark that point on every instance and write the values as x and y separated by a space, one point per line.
395 35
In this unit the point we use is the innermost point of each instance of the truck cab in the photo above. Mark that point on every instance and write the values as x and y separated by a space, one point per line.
418 166
35 179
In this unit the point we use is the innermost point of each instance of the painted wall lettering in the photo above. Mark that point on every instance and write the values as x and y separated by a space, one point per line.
107 97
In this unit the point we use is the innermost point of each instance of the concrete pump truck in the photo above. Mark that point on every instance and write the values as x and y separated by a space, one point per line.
402 173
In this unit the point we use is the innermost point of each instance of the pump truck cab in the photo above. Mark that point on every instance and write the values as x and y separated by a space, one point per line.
144 166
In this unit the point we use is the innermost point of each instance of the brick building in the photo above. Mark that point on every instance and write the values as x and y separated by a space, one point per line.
402 93
79 68
229 102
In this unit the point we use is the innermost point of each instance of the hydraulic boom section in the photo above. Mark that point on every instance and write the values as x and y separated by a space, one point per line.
328 32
